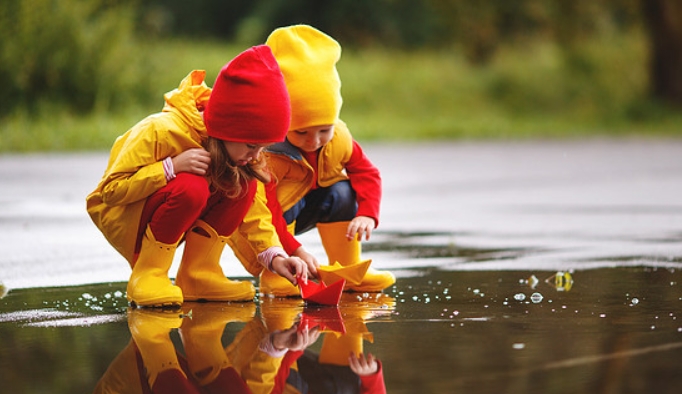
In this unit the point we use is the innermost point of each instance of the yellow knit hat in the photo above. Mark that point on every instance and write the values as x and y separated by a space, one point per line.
307 58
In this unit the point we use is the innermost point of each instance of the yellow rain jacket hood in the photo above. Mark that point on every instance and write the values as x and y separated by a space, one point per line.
135 169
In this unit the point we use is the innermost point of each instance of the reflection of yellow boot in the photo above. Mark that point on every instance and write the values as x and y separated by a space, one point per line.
150 330
149 284
202 337
276 285
336 348
366 307
200 276
345 252
280 313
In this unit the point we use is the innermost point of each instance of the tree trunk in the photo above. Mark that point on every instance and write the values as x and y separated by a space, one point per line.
664 18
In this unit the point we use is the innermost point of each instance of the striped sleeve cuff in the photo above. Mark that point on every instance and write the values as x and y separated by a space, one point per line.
265 257
168 169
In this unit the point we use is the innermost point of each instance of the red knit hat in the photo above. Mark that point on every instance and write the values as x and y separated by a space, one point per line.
249 102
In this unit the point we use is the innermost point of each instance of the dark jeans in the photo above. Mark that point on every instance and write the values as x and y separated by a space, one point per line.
335 203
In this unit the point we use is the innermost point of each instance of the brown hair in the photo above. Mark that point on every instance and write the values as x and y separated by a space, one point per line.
228 178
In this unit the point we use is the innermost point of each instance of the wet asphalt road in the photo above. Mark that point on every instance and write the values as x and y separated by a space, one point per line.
470 206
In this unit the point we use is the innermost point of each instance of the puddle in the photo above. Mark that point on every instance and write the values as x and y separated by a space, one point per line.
514 331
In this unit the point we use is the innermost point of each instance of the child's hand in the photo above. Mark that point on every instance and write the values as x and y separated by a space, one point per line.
360 226
194 161
362 366
309 259
291 268
294 338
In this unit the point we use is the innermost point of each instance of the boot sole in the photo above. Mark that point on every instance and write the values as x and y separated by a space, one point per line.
159 305
203 298
281 294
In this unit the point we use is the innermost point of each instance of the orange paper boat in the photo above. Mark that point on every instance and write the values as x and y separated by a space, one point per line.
320 293
353 273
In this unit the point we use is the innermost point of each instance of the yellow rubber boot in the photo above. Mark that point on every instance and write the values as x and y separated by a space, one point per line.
150 330
149 284
348 252
275 285
200 276
202 337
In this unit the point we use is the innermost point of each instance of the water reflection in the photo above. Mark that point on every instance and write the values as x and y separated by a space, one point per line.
616 330
287 347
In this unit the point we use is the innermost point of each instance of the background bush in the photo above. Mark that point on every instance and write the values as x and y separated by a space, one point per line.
80 55
77 73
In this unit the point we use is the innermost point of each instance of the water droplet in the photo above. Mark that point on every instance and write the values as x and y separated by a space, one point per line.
635 301
518 346
536 298
602 315
519 297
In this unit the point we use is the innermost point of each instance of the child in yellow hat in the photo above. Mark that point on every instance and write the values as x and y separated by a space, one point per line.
323 177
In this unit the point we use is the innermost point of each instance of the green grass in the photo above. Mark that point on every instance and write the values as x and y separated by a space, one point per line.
530 91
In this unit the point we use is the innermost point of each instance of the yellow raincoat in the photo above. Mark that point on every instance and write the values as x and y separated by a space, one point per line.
135 169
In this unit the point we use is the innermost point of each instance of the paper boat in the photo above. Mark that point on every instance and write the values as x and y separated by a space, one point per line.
353 273
328 319
320 293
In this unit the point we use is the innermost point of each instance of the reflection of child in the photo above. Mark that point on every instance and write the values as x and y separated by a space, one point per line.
324 179
151 363
272 356
192 172
303 372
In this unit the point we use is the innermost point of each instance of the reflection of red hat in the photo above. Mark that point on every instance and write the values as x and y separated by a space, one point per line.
249 102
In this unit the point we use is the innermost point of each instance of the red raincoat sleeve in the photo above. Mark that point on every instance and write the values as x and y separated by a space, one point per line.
366 181
373 384
283 372
289 242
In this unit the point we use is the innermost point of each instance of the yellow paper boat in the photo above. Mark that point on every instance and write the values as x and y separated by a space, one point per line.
353 273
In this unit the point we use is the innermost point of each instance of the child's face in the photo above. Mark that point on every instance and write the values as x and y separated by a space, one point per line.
242 153
310 139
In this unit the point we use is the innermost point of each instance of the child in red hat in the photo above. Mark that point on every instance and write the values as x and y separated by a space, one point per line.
191 173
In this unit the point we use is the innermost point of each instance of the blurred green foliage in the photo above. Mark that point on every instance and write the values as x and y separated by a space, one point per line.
76 54
77 73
